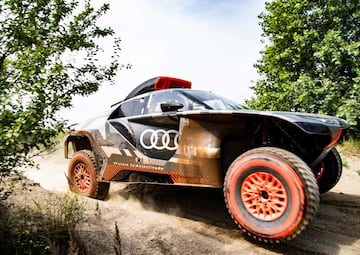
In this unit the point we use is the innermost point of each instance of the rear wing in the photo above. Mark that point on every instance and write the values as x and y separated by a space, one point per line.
159 83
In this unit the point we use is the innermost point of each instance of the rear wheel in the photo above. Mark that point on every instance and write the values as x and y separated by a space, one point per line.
271 194
82 176
329 171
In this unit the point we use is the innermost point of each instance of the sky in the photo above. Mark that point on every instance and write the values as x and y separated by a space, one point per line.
212 43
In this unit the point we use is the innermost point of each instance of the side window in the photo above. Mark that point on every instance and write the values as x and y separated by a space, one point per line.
154 105
133 107
129 108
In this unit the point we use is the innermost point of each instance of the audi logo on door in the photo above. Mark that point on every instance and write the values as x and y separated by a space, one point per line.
159 139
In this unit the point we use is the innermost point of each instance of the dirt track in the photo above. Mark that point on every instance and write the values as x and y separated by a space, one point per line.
179 220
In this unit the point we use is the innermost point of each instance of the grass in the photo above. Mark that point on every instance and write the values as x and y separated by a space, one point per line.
350 147
46 227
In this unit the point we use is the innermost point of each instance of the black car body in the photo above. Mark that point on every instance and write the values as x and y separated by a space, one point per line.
271 165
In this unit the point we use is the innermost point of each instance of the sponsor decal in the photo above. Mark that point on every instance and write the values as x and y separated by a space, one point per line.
159 139
139 166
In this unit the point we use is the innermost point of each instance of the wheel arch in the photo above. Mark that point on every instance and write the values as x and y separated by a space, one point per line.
270 131
82 140
78 141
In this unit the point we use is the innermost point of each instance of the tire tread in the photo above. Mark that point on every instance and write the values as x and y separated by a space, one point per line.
101 188
312 196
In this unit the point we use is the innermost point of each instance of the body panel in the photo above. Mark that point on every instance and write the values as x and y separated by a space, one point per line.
195 143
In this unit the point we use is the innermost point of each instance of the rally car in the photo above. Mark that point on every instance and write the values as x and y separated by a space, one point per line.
272 166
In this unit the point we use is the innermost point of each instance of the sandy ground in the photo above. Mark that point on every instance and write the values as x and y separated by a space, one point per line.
179 220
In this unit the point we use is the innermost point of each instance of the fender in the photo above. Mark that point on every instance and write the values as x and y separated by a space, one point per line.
85 140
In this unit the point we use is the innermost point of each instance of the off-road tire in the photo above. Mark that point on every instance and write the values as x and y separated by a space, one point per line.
82 173
329 171
271 194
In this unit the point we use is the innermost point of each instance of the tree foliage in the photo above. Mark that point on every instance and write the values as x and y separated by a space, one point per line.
311 61
48 53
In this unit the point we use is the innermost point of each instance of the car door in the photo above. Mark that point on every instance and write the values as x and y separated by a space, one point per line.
156 130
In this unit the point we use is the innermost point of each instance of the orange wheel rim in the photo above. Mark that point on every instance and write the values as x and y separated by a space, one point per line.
82 177
264 196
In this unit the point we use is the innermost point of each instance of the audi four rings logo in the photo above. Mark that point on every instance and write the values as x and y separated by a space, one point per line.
159 139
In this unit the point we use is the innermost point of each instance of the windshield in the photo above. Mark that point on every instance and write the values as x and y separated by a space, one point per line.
208 100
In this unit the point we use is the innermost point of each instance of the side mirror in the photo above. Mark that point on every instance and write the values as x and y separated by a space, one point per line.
171 106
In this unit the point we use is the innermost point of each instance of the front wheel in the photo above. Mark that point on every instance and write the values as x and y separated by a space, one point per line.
82 176
271 194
